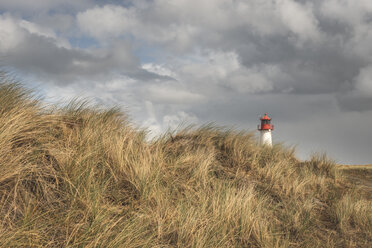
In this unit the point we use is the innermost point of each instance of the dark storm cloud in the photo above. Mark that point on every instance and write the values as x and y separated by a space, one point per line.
34 7
350 102
37 55
320 46
308 62
321 57
44 55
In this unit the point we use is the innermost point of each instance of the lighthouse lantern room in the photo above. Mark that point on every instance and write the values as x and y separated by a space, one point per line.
265 131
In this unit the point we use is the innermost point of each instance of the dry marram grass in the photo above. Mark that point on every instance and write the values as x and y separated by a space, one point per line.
80 176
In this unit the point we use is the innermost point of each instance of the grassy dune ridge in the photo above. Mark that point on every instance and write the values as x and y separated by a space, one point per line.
80 176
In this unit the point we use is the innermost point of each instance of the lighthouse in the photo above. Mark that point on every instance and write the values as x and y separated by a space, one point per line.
265 131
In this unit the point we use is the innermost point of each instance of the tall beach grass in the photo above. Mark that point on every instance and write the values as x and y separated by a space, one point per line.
81 176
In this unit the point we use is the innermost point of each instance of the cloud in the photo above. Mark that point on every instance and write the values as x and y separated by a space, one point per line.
106 21
176 121
346 11
41 52
180 24
171 94
364 81
37 6
62 23
159 69
10 35
156 126
45 32
299 19
298 38
308 62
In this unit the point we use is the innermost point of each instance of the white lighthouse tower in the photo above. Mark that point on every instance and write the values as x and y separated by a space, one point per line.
265 131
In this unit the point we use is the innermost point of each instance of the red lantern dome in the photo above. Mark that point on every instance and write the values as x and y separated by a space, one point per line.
265 123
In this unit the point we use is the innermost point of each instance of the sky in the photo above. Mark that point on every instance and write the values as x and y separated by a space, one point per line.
308 63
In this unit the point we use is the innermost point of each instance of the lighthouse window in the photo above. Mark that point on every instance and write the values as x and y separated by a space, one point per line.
266 122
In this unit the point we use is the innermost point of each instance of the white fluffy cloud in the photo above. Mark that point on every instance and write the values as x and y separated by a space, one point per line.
10 34
106 21
157 125
171 94
364 81
14 31
299 19
180 118
180 24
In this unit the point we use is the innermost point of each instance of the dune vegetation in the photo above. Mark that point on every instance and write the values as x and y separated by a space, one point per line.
83 176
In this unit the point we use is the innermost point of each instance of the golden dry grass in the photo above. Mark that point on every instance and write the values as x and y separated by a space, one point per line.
80 176
355 167
361 176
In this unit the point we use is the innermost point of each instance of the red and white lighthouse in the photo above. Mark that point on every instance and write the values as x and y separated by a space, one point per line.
265 131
